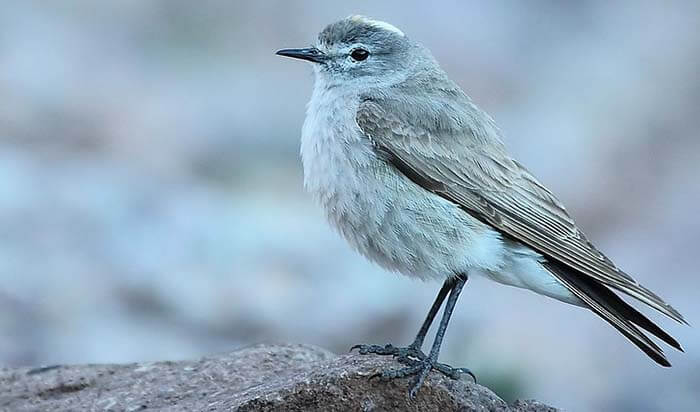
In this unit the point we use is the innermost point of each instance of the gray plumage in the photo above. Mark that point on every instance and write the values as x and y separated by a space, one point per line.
417 179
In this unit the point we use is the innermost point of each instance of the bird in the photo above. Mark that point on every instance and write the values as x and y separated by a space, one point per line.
417 178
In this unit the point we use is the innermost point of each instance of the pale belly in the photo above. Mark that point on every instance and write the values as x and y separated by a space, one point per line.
397 224
388 218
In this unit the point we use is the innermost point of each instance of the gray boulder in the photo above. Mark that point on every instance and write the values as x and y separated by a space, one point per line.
257 378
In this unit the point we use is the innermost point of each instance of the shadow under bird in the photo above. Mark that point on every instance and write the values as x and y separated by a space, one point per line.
416 178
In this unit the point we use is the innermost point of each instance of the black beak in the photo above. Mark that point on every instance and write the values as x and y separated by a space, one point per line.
311 54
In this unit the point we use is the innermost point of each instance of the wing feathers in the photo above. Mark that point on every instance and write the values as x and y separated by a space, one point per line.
465 162
469 166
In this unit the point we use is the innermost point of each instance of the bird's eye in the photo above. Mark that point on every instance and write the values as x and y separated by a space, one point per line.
359 54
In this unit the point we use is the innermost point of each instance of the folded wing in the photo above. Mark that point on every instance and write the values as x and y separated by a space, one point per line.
449 147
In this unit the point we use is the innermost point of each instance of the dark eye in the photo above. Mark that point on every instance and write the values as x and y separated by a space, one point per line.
359 54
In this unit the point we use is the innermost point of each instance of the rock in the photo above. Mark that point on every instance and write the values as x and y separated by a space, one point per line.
257 378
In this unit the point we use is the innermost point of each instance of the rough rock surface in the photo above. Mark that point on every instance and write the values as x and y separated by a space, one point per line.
262 377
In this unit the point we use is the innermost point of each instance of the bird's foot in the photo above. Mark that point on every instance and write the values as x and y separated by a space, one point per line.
417 364
420 369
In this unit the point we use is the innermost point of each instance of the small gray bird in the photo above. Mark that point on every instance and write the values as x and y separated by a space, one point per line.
417 179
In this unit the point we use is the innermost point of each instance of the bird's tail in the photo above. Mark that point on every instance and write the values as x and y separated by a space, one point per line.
606 304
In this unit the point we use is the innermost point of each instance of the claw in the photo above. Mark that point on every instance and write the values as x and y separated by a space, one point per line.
468 372
453 373
414 390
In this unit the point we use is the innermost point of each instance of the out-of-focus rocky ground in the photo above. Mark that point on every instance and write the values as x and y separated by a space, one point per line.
151 203
259 378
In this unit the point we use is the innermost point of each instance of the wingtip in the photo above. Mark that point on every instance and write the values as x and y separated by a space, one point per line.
676 315
658 356
675 344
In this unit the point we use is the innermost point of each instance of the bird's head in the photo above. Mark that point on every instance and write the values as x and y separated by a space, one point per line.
359 52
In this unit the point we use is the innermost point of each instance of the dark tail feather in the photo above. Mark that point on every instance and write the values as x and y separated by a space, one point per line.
615 311
633 315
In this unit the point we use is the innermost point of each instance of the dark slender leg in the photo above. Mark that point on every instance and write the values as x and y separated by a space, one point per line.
442 328
418 363
414 349
420 337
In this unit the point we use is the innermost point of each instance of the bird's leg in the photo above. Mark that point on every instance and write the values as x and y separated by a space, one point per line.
420 337
413 350
420 368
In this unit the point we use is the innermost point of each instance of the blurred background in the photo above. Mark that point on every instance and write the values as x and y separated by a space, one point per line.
151 202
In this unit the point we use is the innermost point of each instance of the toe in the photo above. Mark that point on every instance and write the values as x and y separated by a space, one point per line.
453 373
365 349
419 379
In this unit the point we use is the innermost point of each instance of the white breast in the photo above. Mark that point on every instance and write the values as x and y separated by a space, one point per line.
380 212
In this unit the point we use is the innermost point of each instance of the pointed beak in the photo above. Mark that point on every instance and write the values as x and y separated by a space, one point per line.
311 54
